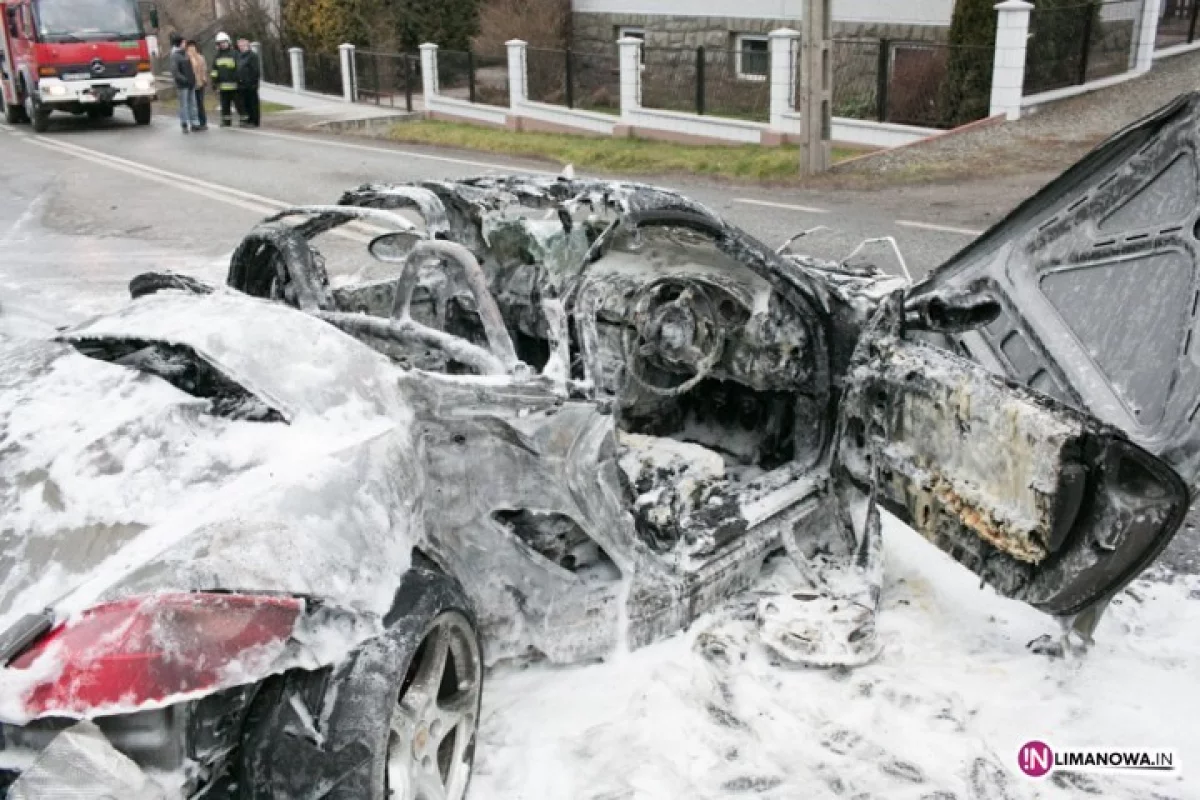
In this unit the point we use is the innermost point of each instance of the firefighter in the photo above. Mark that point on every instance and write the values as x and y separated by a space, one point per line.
225 78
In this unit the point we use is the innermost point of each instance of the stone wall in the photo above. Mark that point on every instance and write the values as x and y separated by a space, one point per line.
669 80
595 32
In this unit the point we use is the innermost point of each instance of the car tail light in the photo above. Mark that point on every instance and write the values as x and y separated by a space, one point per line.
147 649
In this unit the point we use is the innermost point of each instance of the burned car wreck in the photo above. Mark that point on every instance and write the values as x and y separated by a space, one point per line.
575 416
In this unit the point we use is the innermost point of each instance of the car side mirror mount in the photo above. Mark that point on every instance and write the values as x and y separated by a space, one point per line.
951 312
394 247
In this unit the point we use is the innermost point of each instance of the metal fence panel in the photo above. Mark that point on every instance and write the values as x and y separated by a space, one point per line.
477 77
323 73
387 79
713 81
1073 44
856 78
1177 23
276 64
929 84
588 80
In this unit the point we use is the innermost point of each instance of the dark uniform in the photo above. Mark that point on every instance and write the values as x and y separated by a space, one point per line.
249 73
225 79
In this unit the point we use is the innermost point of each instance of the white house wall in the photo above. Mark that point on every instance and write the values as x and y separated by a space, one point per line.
896 12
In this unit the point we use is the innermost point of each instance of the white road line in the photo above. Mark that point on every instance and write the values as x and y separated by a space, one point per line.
928 226
399 153
213 191
269 203
181 182
785 206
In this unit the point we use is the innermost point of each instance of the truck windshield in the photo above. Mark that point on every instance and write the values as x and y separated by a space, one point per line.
88 20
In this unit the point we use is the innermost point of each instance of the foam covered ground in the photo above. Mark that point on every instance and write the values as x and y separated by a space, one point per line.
941 714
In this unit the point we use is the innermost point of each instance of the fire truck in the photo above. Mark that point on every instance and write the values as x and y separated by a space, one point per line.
74 56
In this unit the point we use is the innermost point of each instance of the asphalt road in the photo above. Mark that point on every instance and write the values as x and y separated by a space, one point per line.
259 171
86 207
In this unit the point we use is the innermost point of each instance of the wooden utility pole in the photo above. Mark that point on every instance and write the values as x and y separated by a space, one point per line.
816 85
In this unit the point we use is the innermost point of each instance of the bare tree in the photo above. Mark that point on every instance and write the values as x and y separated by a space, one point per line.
541 23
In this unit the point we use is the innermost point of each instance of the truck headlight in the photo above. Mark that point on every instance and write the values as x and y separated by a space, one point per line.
143 83
56 90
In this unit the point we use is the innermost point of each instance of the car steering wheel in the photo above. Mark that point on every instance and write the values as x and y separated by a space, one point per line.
677 326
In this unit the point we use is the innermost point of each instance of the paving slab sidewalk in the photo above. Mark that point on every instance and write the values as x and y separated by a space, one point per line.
329 113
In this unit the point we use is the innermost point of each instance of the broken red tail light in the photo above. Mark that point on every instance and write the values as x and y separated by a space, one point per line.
146 649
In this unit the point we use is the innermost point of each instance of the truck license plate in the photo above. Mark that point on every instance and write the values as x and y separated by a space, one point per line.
76 76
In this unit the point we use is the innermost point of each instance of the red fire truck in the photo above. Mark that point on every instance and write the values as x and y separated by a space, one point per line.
76 56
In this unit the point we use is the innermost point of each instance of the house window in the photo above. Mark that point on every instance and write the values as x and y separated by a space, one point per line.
753 57
632 32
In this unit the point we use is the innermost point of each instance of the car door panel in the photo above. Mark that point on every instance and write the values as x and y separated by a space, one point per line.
1099 282
1047 504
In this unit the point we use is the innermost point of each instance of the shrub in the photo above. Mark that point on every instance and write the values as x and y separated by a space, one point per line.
540 23
967 93
322 25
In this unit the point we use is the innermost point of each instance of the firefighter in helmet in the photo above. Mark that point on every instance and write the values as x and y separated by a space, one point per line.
225 78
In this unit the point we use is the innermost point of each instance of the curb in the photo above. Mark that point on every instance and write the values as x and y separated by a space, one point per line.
978 124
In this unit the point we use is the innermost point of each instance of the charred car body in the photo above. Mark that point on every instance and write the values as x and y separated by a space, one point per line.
577 416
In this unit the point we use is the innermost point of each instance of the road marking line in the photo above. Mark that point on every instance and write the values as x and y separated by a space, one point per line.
393 152
785 206
271 203
202 188
928 226
214 191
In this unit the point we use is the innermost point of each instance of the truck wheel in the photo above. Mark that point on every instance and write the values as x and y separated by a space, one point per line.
40 117
141 113
12 111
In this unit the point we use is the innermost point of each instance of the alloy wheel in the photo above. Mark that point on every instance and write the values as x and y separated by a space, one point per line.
431 742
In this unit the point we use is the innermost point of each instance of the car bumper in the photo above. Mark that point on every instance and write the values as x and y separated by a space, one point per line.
175 751
55 92
80 761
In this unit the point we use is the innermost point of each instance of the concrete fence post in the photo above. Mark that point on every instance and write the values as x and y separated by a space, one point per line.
1147 34
346 57
296 57
1008 69
784 48
429 71
630 49
518 73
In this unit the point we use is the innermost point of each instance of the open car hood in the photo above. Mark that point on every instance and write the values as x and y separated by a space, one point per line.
1098 281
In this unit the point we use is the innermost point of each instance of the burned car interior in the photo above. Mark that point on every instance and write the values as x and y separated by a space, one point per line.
556 418
743 383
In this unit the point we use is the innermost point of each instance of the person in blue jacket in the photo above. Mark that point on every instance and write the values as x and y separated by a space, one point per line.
185 85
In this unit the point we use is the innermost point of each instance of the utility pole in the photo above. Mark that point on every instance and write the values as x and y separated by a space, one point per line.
816 85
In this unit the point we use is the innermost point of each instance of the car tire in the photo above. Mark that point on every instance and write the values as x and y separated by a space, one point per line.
142 112
385 713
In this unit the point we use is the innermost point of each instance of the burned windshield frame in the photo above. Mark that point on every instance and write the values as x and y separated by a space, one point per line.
59 21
